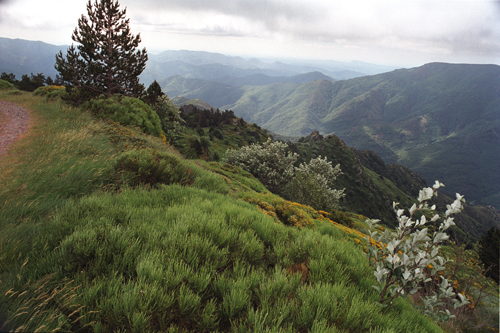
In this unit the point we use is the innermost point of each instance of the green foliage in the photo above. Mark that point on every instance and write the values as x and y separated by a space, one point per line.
5 85
127 111
11 78
466 271
170 118
310 184
149 167
173 258
223 129
489 253
100 64
313 184
217 133
153 93
51 92
31 83
270 163
151 260
195 117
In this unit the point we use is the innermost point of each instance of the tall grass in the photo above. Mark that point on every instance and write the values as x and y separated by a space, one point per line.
63 156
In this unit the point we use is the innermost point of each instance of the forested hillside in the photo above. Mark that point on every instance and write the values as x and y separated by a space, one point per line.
441 120
371 185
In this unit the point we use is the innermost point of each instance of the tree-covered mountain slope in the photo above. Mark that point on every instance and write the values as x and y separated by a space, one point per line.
371 185
22 57
441 120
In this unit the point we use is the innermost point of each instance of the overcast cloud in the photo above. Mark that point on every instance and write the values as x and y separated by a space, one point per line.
395 32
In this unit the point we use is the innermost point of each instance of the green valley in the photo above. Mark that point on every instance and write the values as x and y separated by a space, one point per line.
441 120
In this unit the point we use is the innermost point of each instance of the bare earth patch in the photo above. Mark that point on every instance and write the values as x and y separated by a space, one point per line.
14 121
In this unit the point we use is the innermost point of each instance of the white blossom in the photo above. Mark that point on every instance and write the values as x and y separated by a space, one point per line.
425 194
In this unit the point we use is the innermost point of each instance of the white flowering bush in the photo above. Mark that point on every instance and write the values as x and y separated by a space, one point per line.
268 162
406 259
313 184
310 184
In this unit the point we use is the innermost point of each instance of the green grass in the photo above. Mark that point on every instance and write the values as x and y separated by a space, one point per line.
64 155
89 243
147 260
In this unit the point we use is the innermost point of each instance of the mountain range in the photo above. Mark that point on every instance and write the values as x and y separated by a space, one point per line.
441 120
20 57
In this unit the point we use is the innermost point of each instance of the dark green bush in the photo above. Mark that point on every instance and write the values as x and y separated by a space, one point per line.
149 167
489 252
127 111
218 134
341 217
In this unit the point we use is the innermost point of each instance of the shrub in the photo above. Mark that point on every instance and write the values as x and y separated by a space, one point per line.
406 259
489 253
128 111
51 92
4 85
171 121
312 185
218 134
269 163
149 167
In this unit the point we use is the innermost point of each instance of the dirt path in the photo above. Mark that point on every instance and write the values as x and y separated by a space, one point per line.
14 121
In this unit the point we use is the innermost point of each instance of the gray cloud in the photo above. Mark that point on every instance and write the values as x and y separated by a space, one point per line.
456 26
3 2
266 12
436 29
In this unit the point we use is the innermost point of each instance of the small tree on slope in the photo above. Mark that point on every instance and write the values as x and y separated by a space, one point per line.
402 259
106 61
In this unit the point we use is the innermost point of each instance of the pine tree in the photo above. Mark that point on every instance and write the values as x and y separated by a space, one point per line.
153 93
106 61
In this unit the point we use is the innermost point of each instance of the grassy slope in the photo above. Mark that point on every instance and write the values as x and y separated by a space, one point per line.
76 256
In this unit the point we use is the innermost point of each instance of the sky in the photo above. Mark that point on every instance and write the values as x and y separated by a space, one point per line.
390 32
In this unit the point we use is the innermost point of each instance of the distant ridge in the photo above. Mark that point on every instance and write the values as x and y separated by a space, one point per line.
24 57
441 120
21 57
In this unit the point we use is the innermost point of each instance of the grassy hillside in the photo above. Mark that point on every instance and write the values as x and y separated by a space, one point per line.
105 229
91 243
